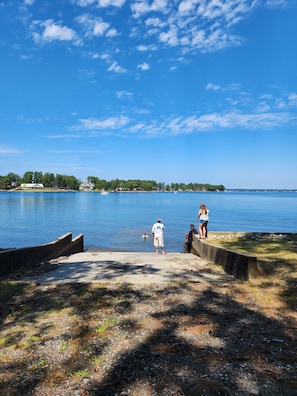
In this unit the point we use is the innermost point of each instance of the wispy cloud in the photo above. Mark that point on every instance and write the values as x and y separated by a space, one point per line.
209 122
212 87
79 151
216 122
124 95
99 124
6 150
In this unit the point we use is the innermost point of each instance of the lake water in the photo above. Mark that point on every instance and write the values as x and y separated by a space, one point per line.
116 221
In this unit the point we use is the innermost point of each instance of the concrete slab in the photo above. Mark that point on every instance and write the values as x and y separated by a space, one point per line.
131 267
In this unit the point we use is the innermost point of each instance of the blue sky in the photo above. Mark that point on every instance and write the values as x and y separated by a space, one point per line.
174 91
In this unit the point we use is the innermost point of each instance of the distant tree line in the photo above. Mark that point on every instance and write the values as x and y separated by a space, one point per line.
58 181
49 180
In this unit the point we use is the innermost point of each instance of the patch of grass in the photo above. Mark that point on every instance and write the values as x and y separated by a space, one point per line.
39 365
80 374
64 346
96 361
9 289
277 257
30 341
4 340
106 325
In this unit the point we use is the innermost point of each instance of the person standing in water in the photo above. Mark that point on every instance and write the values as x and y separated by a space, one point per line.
158 236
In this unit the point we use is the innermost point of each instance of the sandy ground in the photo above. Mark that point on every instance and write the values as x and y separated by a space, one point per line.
130 267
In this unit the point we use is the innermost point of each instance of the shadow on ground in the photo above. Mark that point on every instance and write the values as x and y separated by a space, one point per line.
171 339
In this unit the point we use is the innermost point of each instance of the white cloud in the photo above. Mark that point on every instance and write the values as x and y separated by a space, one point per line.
186 6
217 121
99 28
51 31
109 3
234 120
78 151
143 66
263 107
6 150
124 94
276 3
115 67
95 26
112 33
83 3
141 7
99 124
155 22
202 26
212 87
144 48
169 37
189 25
292 98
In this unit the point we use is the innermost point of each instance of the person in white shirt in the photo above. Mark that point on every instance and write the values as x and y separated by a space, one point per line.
158 236
203 220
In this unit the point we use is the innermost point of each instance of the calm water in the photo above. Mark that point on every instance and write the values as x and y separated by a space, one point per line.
117 220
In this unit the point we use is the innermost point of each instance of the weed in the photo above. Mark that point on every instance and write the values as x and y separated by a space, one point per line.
4 340
40 364
106 325
80 374
96 361
64 346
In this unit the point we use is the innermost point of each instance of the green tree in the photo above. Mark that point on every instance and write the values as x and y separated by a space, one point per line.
13 178
49 180
72 183
28 177
37 177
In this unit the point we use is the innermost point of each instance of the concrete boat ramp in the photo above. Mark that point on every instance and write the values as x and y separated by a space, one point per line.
130 267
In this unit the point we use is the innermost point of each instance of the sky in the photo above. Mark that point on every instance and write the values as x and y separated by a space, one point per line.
175 91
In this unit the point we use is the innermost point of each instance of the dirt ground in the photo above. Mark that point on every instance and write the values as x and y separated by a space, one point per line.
181 337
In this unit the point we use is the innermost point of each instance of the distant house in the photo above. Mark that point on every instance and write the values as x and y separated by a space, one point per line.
31 185
86 186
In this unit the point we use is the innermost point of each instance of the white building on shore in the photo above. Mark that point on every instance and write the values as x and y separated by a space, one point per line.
31 185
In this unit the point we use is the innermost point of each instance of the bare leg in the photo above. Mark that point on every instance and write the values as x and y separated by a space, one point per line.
201 230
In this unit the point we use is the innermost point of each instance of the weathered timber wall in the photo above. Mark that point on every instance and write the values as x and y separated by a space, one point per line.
242 266
19 259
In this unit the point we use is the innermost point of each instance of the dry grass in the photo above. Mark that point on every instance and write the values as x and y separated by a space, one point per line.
277 259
